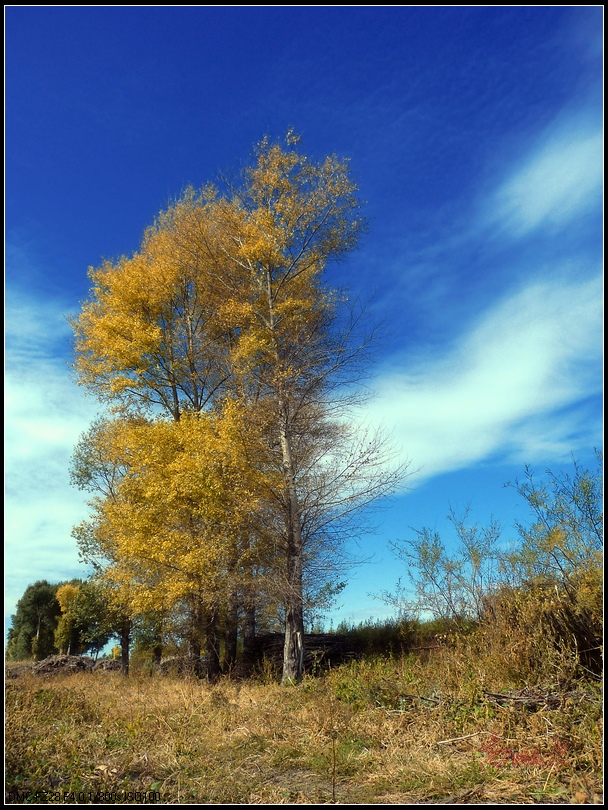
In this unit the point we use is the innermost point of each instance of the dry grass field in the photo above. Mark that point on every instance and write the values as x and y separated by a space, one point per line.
387 731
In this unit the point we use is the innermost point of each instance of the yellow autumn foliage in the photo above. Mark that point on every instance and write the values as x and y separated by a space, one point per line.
184 512
66 593
219 330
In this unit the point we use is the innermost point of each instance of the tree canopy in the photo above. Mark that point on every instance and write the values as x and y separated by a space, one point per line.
229 467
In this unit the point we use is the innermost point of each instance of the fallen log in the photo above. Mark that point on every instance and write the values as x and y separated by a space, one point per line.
535 699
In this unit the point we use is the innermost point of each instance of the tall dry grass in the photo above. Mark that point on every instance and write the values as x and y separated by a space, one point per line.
384 730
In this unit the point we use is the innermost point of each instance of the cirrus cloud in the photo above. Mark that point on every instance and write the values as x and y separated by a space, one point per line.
559 180
513 383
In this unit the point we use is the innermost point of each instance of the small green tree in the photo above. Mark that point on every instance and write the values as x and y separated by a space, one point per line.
92 617
32 631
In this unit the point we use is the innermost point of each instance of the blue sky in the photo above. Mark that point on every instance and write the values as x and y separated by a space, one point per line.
476 138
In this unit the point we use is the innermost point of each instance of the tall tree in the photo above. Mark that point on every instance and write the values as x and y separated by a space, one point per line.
285 221
226 302
86 622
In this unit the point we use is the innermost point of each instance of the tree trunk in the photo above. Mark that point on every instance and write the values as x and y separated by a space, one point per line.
36 640
212 653
248 632
125 643
231 633
157 649
293 652
195 630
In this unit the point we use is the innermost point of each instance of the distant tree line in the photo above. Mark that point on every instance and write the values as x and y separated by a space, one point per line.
69 617
78 617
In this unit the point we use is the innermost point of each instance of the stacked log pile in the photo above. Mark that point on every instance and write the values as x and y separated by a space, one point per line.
322 651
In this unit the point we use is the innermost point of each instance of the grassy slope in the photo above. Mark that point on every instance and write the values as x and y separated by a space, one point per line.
380 731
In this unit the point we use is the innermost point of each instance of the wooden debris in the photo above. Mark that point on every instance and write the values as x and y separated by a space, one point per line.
535 699
70 664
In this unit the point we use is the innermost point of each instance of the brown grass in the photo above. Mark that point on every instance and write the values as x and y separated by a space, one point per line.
382 731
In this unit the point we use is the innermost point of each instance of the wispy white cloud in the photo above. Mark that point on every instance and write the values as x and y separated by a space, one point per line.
45 413
34 330
505 386
557 181
520 379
